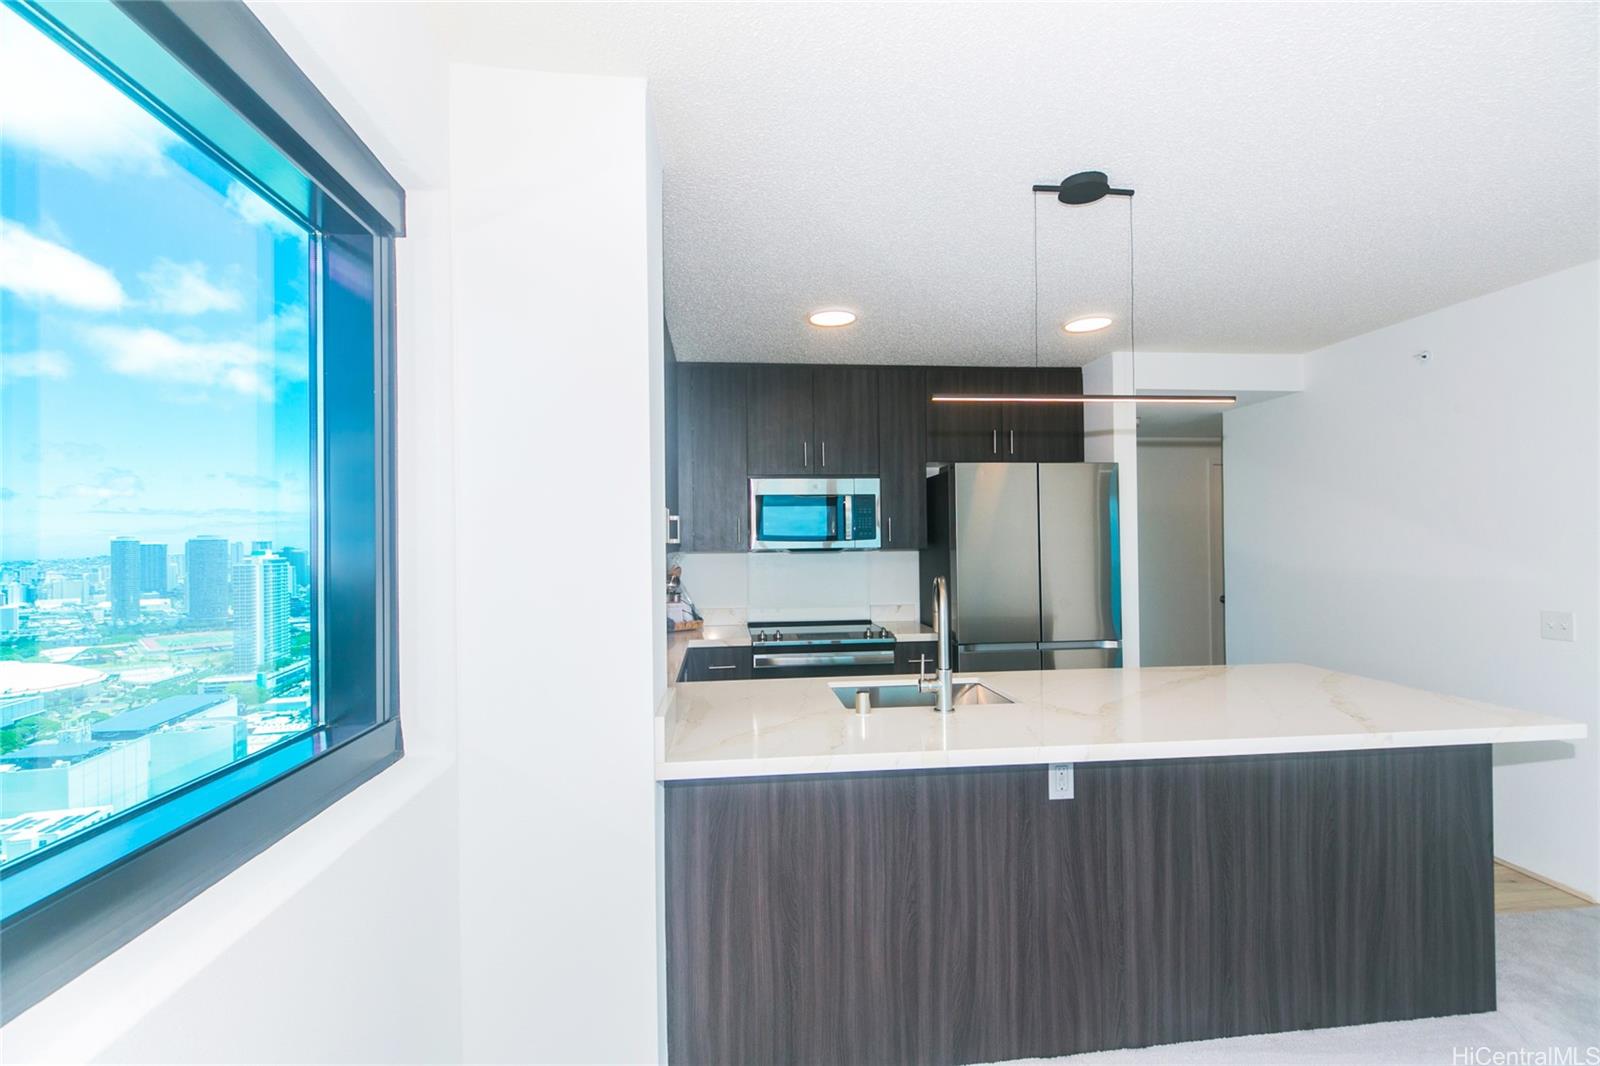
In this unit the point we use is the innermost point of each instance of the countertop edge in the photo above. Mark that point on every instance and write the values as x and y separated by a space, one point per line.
1124 751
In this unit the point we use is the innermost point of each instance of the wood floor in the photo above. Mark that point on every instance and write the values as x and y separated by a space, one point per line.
1516 892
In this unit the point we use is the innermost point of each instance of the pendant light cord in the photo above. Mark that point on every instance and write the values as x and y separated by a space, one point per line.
1036 281
1133 348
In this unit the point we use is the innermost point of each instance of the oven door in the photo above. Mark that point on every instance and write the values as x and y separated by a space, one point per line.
844 660
815 514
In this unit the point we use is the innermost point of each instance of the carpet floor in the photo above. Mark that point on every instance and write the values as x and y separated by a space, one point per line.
1548 966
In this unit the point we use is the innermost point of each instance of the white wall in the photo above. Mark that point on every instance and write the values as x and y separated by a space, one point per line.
1410 520
559 533
1175 551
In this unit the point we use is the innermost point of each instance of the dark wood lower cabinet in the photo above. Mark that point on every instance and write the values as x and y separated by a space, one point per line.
961 916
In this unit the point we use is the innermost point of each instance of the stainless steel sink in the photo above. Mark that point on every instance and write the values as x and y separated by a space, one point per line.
967 693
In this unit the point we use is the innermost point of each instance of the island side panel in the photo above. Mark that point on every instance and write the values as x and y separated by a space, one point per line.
962 916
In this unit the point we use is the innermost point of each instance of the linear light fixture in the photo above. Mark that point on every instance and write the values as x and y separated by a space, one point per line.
1086 187
1071 398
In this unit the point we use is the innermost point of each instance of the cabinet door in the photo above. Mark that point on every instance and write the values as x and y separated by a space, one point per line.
902 457
916 657
844 408
714 663
778 423
964 432
1043 433
713 496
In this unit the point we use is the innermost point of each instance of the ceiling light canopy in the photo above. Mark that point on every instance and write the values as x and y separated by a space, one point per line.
1084 187
831 317
1087 324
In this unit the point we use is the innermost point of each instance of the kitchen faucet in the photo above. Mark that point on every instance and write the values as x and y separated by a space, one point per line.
940 681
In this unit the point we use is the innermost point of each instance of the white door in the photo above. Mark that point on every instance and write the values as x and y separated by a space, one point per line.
1219 610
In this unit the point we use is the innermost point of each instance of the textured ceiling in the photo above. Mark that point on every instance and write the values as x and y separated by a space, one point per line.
1305 172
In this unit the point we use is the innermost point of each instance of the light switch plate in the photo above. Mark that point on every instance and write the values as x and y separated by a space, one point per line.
1060 780
1556 625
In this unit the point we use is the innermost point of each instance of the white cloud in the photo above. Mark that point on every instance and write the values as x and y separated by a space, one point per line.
254 209
72 114
112 483
141 351
34 365
37 269
184 289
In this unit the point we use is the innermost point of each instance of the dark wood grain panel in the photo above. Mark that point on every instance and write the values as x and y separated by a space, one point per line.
902 422
716 663
1044 433
844 420
711 457
961 916
781 439
961 432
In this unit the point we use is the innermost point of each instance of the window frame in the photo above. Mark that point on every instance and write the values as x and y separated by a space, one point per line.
49 943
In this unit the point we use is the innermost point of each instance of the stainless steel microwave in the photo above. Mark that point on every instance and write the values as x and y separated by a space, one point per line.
813 514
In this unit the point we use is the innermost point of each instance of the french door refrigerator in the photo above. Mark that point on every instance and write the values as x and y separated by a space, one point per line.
1030 551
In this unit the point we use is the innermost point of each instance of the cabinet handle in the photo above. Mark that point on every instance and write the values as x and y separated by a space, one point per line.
1013 442
891 529
997 442
824 453
730 666
806 446
674 529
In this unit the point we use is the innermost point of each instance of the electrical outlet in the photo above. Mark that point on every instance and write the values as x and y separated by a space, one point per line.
1060 780
1556 625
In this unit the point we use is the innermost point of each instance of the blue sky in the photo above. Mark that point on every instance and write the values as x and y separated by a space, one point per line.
153 326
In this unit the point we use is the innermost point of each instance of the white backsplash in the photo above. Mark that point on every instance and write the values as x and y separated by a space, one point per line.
801 586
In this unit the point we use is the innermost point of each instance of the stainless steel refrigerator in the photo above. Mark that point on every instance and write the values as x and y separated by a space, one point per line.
1030 551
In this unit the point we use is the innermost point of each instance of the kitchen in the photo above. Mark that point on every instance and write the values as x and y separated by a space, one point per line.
910 746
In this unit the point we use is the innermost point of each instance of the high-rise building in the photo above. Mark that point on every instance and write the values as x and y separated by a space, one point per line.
153 568
261 587
125 579
206 579
300 560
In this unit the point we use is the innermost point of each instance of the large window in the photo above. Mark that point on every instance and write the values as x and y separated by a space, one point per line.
194 543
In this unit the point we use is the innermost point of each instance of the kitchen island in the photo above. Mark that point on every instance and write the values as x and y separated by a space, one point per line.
1246 849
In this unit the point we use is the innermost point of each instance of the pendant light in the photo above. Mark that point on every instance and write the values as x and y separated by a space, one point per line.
1085 187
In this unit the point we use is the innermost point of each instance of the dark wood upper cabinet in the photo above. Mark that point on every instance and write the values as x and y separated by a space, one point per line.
1045 433
902 456
844 410
712 497
811 421
965 432
735 421
778 421
1005 433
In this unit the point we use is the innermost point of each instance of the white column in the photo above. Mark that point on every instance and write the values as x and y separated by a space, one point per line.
557 322
1111 435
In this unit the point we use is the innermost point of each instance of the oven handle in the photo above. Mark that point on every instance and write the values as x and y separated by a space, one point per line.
781 660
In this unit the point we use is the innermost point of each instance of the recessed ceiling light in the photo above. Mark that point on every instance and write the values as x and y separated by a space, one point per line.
831 318
1087 324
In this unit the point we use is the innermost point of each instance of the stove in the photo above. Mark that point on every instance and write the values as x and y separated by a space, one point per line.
820 649
818 634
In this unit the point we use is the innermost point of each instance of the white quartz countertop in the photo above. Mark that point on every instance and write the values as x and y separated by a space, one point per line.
777 727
